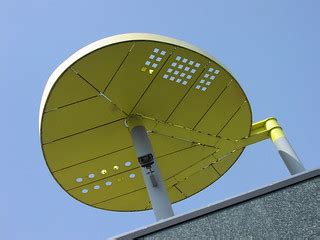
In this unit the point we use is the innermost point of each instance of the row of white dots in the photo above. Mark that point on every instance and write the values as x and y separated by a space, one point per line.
154 65
103 171
178 80
165 76
185 60
107 183
157 50
202 89
215 71
180 66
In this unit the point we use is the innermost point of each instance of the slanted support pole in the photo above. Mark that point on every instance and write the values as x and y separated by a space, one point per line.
284 148
151 174
269 128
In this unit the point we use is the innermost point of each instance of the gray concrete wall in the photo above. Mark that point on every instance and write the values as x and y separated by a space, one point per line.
289 209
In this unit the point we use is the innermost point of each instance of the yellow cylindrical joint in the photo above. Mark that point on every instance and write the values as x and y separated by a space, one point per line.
274 128
134 121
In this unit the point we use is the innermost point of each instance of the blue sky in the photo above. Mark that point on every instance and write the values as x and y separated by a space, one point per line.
272 47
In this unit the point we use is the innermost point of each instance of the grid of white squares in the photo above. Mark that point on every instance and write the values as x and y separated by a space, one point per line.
181 70
155 58
207 79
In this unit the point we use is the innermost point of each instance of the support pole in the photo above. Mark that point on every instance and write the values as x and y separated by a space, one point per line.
151 174
284 148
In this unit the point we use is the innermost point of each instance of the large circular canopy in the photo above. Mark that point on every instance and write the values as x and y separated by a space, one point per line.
193 108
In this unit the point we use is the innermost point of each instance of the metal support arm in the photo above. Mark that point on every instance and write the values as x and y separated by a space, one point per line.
262 130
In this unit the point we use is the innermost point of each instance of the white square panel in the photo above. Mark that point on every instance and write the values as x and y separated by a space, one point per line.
163 53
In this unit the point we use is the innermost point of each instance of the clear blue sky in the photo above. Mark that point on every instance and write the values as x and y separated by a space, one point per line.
272 47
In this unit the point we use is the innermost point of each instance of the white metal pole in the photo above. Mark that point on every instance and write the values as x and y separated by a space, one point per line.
284 148
288 155
157 192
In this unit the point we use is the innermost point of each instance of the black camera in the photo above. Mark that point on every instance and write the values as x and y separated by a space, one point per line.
146 160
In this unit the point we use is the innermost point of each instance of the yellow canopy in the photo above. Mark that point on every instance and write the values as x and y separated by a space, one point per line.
193 108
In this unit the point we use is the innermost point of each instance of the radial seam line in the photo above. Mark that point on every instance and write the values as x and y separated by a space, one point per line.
231 117
105 89
94 204
225 88
83 78
70 104
87 130
91 159
194 83
155 76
